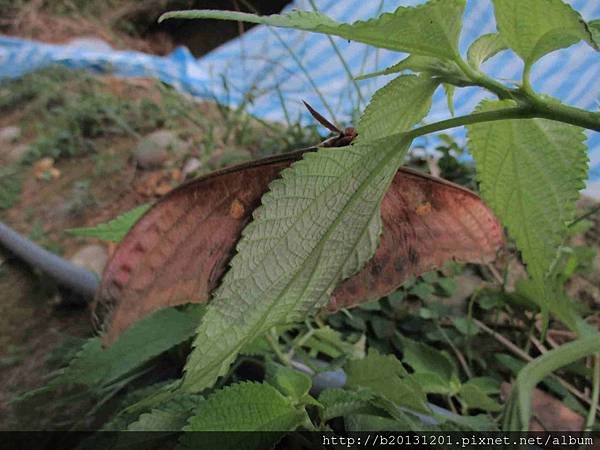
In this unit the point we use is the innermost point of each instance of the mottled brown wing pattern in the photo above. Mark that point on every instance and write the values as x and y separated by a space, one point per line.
181 247
426 222
178 250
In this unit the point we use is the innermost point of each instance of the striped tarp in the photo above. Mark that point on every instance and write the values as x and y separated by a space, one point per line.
277 68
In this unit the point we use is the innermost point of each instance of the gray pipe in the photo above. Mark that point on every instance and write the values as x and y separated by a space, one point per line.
66 274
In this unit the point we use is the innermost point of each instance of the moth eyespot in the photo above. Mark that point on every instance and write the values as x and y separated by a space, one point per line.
423 209
236 209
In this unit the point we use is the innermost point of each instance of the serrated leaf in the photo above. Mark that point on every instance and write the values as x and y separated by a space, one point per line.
95 366
531 171
242 407
483 48
474 397
340 402
319 224
397 106
433 383
171 416
385 375
429 29
114 230
427 360
443 69
290 382
537 27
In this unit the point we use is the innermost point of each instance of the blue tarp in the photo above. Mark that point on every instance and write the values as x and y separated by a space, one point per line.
272 65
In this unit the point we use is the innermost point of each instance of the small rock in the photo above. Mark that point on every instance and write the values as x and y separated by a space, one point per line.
190 166
10 134
92 257
154 149
44 169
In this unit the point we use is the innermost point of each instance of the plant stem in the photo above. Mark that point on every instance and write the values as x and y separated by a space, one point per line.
591 212
525 96
595 393
273 339
518 112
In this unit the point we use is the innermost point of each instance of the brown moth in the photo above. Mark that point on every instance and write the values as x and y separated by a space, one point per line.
179 250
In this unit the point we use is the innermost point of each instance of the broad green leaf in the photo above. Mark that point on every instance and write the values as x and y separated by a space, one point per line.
341 402
427 360
531 171
474 397
434 383
486 384
443 69
114 230
290 382
465 325
243 407
429 29
518 408
397 106
534 28
483 48
317 225
95 367
385 375
171 416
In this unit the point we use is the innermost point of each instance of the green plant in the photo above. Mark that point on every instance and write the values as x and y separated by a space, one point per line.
528 149
530 163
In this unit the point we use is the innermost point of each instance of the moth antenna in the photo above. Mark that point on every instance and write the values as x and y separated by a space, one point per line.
322 120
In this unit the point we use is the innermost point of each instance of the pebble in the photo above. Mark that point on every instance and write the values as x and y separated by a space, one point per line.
155 148
92 257
10 134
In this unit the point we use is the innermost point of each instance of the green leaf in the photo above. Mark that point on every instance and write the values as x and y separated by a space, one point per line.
531 171
290 382
114 230
341 402
317 225
95 367
537 27
427 360
397 106
465 325
594 29
243 407
518 408
442 69
474 397
172 416
430 29
385 375
330 342
483 48
449 90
